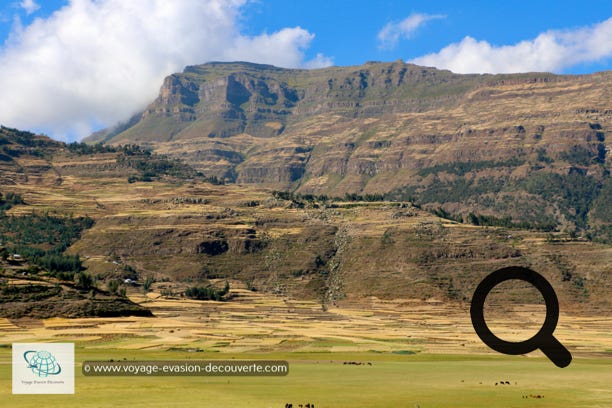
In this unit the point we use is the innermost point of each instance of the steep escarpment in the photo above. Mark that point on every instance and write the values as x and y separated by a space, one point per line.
525 148
226 99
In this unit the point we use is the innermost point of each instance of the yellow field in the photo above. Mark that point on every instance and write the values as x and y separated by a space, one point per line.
421 353
254 323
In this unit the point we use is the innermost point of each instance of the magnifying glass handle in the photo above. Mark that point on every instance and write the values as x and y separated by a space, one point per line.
556 352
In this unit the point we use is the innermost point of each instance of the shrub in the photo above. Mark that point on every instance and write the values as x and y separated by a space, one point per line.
208 293
84 281
113 286
146 286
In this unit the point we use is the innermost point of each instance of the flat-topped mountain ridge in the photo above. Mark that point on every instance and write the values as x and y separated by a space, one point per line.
529 148
262 100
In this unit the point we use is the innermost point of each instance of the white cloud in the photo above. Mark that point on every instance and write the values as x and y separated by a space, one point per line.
283 48
553 51
319 61
30 6
390 34
95 62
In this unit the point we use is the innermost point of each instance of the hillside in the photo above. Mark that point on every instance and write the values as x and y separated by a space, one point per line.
38 279
524 149
179 230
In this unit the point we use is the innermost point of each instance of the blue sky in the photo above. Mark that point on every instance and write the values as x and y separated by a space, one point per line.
347 30
70 67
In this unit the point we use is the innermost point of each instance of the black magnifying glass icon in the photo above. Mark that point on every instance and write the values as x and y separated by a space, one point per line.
543 339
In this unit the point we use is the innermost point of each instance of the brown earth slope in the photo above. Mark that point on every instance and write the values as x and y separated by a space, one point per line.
533 147
183 231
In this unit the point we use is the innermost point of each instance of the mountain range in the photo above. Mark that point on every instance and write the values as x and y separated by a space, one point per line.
386 180
521 149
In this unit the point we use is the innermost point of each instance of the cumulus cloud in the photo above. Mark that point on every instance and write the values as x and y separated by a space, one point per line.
283 48
554 51
390 34
30 6
96 62
319 61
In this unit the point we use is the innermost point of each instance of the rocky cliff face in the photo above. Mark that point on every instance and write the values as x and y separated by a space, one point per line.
227 99
523 146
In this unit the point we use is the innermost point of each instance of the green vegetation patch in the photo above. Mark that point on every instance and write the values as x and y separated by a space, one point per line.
42 239
8 200
462 168
575 192
151 165
580 197
207 293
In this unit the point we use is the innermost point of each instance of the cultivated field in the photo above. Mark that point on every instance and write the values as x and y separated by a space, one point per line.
421 353
336 282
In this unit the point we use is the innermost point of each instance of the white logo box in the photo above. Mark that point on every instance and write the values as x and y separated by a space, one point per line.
43 368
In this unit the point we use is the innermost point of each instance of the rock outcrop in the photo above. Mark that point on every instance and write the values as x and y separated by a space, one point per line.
467 143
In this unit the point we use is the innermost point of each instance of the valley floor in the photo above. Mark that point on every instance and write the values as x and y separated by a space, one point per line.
421 353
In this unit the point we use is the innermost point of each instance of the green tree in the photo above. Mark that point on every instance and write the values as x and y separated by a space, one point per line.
113 286
146 286
84 281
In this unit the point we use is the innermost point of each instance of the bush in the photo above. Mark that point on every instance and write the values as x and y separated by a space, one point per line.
9 200
113 286
579 156
84 281
149 281
208 293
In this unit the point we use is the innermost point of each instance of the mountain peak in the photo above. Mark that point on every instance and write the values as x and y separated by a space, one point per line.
488 144
229 98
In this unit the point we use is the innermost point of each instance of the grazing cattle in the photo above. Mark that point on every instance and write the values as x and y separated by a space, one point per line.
357 363
495 383
538 396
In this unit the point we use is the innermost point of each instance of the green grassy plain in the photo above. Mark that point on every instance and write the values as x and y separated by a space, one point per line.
393 380
421 355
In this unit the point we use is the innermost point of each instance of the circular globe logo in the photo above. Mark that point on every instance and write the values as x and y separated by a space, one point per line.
42 363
